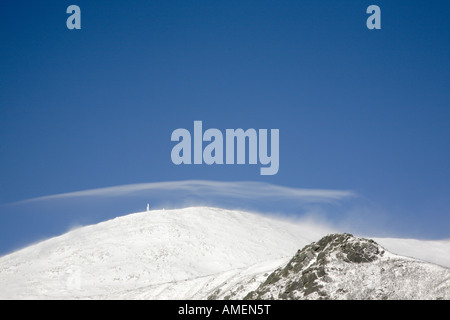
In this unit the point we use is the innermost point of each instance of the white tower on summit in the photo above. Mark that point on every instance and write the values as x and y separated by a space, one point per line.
148 207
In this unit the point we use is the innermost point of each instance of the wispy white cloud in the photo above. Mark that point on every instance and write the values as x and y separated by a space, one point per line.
323 206
243 190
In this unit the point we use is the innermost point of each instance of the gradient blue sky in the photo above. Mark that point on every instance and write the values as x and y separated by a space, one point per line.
357 109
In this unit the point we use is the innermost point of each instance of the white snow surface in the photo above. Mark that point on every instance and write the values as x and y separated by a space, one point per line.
191 253
434 251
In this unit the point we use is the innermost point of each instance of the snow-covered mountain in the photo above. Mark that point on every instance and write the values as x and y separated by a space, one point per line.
191 253
156 254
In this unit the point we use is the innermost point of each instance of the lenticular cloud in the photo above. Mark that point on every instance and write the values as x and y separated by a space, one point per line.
253 196
58 213
204 188
94 205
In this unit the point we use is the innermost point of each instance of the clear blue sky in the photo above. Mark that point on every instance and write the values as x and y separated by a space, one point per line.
357 109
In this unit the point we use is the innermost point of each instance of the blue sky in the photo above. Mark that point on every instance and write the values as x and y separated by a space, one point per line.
357 109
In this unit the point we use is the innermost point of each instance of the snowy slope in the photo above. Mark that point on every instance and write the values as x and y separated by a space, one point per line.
191 253
156 254
434 251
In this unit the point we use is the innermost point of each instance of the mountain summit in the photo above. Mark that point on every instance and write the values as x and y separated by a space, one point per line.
159 254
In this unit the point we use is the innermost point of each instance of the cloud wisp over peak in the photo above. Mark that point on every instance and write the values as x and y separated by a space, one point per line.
243 190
